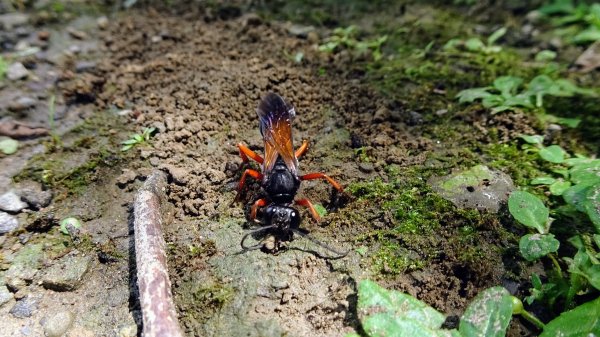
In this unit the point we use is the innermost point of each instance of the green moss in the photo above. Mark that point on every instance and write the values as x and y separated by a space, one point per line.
375 189
394 259
517 163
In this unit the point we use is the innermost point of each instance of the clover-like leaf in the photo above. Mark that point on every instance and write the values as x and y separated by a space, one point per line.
470 95
507 84
559 187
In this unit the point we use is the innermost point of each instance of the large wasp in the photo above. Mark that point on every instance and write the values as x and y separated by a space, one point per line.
279 176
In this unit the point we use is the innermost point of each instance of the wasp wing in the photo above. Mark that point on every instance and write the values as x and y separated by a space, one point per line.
276 116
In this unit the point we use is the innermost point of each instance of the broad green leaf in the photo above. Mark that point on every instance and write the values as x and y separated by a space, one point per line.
529 210
581 321
584 265
488 315
559 187
371 296
533 139
587 172
542 181
507 84
534 246
474 44
492 101
545 56
588 35
570 122
519 100
129 142
126 147
385 324
470 95
553 154
8 145
496 35
591 205
575 196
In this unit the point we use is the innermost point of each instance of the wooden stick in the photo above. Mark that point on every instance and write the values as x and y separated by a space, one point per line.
158 310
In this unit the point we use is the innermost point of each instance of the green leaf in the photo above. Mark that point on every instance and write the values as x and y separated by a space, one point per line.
584 265
320 210
529 210
496 35
591 204
387 325
586 172
542 181
559 187
126 147
372 296
507 84
588 35
3 67
488 315
553 154
533 139
474 44
545 56
129 142
576 195
570 122
8 145
581 321
534 246
470 95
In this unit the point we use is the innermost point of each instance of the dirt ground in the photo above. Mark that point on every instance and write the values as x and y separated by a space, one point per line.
197 79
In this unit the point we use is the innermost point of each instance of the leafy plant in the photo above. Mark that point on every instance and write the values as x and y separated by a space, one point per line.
137 139
3 67
346 38
505 93
476 45
582 20
385 312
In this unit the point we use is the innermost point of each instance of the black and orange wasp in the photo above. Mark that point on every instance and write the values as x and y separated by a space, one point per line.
279 176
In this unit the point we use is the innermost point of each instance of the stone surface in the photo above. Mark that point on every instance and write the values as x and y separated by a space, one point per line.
25 307
16 71
67 273
478 187
34 195
59 324
9 21
8 223
22 103
24 266
11 202
5 295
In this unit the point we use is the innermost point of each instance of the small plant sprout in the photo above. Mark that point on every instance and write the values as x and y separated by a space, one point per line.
476 45
346 38
507 93
137 139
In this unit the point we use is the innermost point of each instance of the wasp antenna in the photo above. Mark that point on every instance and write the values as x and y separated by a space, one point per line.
321 244
258 230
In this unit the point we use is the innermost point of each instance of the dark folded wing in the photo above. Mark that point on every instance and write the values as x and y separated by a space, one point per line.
276 116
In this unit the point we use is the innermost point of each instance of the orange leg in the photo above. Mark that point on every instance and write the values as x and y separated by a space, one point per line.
249 172
312 176
302 149
258 203
245 152
305 202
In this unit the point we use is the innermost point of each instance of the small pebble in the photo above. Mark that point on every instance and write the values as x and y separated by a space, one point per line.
17 71
25 307
11 202
58 324
102 22
43 35
366 167
8 223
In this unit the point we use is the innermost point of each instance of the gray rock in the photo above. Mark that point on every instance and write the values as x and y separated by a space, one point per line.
83 66
11 202
22 103
24 266
33 194
8 223
67 273
5 295
300 30
366 167
9 21
478 187
16 71
58 324
25 307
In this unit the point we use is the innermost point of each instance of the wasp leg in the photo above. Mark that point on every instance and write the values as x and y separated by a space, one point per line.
245 152
302 149
312 176
305 202
258 203
249 172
